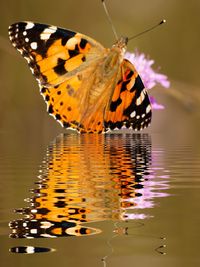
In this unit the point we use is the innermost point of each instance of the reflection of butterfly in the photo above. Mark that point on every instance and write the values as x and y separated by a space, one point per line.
86 86
87 179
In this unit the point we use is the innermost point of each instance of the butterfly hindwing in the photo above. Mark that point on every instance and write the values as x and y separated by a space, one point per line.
130 106
61 104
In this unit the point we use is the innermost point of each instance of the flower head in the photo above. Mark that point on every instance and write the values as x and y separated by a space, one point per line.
148 75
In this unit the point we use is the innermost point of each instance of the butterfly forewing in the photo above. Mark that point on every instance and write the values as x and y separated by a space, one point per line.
61 60
51 52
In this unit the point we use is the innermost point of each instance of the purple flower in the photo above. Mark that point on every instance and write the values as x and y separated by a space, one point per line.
148 75
154 104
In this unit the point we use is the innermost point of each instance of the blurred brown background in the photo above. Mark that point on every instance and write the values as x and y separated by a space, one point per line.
174 46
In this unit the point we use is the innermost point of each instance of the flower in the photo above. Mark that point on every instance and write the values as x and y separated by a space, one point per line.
154 103
148 75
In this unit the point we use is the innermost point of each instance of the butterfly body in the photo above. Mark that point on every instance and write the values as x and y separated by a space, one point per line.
86 87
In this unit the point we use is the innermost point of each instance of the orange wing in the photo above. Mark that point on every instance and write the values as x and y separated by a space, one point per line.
61 60
129 106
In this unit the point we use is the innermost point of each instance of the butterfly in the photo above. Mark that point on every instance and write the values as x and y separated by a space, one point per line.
87 87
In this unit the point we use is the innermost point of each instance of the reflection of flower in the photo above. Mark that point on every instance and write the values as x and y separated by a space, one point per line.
149 76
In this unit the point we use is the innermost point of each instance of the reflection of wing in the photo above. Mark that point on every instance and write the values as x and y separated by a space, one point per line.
42 228
130 106
83 179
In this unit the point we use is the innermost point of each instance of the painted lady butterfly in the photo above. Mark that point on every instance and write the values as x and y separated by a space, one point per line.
86 87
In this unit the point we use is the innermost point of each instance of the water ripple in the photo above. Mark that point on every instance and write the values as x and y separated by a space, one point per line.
90 178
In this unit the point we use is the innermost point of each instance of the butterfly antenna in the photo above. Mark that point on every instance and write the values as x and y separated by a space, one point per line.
109 19
148 30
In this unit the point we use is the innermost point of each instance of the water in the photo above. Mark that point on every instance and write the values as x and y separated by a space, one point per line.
100 200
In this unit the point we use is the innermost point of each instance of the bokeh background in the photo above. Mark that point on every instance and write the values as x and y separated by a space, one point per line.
174 47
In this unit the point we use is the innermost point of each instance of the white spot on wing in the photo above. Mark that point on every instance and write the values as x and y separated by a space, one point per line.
32 70
148 109
29 25
53 28
25 33
45 35
34 45
20 51
140 98
10 36
59 122
72 42
132 115
28 59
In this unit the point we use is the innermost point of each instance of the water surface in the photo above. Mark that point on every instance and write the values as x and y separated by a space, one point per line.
101 200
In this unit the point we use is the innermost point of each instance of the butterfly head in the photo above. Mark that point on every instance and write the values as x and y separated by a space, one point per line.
121 43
